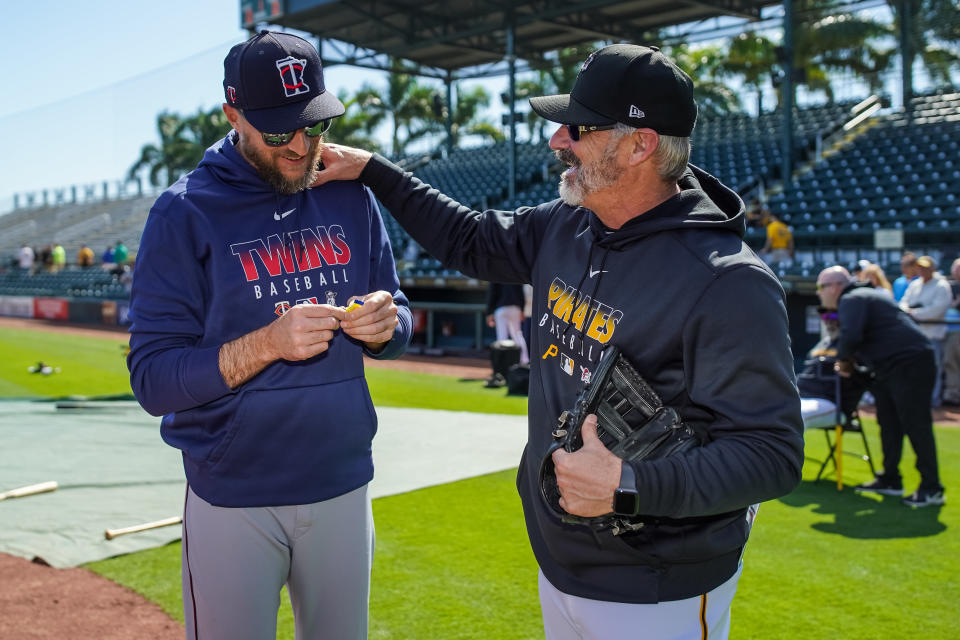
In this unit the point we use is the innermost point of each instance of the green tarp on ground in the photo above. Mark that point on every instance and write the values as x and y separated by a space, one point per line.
114 471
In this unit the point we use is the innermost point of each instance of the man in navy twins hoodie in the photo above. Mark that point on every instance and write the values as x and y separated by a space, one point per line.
246 341
642 251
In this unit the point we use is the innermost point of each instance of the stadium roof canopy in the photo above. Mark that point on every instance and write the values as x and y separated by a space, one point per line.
449 35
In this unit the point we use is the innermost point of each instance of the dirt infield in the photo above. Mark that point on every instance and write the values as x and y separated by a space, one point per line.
39 602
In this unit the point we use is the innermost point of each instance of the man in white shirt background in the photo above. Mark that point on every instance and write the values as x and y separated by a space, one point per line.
927 299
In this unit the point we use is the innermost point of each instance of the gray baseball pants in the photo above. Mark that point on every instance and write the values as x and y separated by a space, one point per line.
704 617
236 560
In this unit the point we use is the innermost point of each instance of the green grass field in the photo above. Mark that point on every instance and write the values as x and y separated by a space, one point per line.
453 561
97 367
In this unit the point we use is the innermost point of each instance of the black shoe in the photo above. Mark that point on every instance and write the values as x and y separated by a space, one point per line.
924 498
879 485
496 381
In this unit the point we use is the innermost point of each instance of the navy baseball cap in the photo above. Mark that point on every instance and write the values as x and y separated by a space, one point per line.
276 79
635 85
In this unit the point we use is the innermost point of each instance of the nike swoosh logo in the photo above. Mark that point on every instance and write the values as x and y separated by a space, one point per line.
281 216
593 273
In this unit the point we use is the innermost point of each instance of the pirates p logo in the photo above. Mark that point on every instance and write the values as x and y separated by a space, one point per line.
291 75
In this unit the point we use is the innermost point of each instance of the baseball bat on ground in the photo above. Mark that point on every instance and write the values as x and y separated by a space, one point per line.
29 490
110 534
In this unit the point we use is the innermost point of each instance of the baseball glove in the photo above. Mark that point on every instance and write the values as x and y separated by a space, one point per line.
631 422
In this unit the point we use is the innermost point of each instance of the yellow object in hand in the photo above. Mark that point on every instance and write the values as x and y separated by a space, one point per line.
356 304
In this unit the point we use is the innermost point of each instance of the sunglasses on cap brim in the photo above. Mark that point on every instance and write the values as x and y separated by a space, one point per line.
577 130
281 139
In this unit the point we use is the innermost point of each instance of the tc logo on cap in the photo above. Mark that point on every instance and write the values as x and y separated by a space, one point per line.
231 94
291 75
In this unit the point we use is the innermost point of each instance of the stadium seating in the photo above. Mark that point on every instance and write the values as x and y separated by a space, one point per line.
96 224
900 170
72 282
902 173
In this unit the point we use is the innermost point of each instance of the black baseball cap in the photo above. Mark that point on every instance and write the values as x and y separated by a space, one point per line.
276 79
635 85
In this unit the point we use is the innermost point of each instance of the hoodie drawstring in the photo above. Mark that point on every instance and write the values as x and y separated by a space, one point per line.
577 289
593 295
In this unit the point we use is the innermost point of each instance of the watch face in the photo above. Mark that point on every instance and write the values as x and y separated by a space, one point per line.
625 502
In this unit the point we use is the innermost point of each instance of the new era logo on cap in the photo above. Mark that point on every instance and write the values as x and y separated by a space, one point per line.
635 112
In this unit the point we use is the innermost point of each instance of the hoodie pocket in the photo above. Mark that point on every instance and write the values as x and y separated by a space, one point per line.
678 543
285 430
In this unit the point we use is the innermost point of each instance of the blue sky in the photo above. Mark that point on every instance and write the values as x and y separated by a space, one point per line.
84 81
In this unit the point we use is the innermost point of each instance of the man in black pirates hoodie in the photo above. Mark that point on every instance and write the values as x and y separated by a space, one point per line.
645 252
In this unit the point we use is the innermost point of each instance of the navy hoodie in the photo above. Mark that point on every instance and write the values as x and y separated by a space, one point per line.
700 317
223 254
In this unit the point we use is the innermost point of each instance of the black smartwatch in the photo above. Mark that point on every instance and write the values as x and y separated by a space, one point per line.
626 499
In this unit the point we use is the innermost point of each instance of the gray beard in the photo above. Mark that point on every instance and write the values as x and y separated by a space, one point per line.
269 173
590 178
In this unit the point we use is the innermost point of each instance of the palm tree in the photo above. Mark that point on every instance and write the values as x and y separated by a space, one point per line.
406 102
466 120
827 41
183 142
932 24
831 41
705 66
554 73
752 57
356 126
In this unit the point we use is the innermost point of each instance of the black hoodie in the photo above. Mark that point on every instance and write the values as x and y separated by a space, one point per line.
700 317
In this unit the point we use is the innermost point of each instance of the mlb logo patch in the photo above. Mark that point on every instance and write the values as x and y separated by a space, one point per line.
566 363
307 301
281 307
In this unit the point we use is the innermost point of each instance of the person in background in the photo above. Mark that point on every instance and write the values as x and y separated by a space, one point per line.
951 346
45 257
876 333
908 272
58 257
120 253
779 248
25 258
106 258
873 273
505 314
85 256
926 300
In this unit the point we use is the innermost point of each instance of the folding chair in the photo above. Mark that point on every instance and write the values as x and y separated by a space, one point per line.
838 416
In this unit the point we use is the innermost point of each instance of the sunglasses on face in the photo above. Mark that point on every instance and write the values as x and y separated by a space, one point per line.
577 130
281 139
821 287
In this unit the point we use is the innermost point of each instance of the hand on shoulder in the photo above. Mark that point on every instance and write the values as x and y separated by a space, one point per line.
339 162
